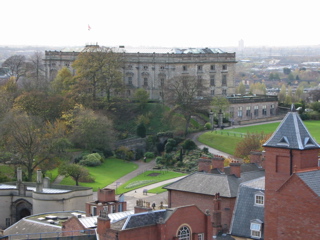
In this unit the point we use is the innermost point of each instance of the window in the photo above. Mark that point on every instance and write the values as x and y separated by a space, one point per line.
93 210
272 109
264 110
162 82
129 67
224 80
161 67
212 92
212 67
256 111
184 233
255 228
128 92
199 93
145 67
259 199
224 92
145 82
248 111
224 67
130 80
8 222
212 83
199 67
184 68
200 236
231 112
240 112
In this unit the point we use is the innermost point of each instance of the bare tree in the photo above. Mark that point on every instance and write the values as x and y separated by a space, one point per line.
184 94
35 72
17 66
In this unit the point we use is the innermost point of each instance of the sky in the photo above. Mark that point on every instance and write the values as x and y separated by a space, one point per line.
160 23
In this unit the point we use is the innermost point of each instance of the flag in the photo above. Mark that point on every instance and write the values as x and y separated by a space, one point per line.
89 28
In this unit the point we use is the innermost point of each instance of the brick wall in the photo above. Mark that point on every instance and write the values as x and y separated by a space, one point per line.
204 202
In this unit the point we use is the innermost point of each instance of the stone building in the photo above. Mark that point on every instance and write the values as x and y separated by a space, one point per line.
20 199
150 68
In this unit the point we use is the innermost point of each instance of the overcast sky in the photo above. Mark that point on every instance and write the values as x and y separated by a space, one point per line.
160 23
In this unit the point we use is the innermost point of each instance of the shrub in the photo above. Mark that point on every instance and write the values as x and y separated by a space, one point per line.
171 143
207 126
124 153
141 130
189 145
149 155
159 160
91 160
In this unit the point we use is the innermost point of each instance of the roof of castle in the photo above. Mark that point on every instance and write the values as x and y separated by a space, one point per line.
292 134
210 184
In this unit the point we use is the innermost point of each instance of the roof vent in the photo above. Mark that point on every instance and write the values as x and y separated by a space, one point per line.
284 141
308 142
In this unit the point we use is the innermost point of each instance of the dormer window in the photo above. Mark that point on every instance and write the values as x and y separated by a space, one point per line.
255 227
259 199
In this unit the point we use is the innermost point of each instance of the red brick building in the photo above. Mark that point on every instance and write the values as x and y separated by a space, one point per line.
200 188
292 187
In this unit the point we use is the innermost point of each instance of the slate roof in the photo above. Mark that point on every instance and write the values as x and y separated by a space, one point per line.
292 134
245 210
311 179
210 184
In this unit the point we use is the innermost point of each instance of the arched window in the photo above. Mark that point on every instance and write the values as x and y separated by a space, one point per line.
184 233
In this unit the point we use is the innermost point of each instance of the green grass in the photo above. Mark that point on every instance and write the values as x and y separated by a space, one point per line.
145 179
109 171
158 190
52 174
226 140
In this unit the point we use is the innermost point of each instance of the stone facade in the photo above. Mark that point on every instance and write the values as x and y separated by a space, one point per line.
151 68
20 199
248 109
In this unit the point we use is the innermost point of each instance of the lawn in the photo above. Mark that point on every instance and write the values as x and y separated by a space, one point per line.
147 178
109 171
158 190
226 140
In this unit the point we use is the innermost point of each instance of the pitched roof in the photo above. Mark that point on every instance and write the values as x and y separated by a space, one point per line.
245 210
210 184
292 134
311 179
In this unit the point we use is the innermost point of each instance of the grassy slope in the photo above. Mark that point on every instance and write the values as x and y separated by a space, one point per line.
227 143
162 176
109 171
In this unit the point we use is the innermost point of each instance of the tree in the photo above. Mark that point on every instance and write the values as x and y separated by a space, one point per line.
250 142
63 82
219 104
8 93
241 89
35 73
315 94
142 97
286 71
282 94
29 142
100 67
185 95
75 171
258 88
91 130
17 66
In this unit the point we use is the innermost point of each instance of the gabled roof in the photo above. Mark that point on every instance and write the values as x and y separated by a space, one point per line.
245 210
210 184
292 134
311 179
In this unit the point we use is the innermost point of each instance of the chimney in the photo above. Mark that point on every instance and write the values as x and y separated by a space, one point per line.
142 206
257 158
218 162
103 222
106 195
216 214
235 169
39 185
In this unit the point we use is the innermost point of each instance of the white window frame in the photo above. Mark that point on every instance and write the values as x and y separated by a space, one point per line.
255 229
259 199
184 233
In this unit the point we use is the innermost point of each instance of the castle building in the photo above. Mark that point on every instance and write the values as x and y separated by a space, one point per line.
150 68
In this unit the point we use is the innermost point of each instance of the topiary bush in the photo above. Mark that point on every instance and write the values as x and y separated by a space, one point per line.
149 155
207 126
189 145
